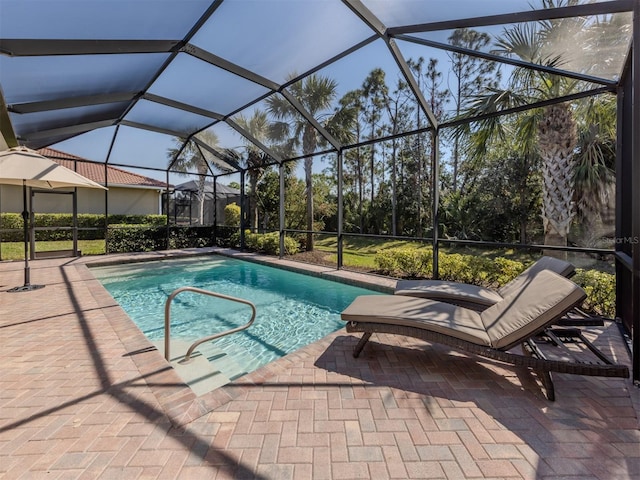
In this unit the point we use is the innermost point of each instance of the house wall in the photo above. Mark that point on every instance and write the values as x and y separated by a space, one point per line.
131 201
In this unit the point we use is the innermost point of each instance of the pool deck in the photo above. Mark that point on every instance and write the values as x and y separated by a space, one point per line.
84 394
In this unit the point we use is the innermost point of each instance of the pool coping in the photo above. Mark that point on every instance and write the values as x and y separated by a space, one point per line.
176 399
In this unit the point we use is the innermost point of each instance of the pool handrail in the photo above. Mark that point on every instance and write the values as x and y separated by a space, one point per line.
167 320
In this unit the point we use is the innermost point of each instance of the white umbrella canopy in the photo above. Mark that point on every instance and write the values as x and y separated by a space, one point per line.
23 166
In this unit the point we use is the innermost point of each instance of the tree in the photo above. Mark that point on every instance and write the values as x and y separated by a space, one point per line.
429 80
594 177
501 200
353 172
185 160
399 108
557 140
269 200
316 94
549 132
364 168
255 160
374 92
468 75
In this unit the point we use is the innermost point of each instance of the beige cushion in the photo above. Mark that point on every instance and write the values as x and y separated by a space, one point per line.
544 263
472 296
541 300
457 322
453 292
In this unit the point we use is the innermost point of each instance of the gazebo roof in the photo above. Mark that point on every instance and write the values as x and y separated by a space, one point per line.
221 190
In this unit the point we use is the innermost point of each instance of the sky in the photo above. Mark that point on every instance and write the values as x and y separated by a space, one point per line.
348 72
275 39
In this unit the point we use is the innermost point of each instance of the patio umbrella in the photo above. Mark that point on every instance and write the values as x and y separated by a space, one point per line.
23 166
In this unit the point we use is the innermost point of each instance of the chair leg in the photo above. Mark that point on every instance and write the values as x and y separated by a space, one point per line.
361 343
547 382
530 348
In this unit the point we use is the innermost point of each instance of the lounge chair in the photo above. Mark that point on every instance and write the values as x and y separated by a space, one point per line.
473 296
517 319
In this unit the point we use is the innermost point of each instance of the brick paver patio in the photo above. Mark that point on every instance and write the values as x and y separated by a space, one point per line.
83 394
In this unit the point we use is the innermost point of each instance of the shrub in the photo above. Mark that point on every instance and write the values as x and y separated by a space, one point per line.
234 240
455 267
269 243
147 238
502 270
386 262
405 262
191 237
12 221
232 215
490 272
415 263
225 236
253 241
90 226
291 246
600 288
139 238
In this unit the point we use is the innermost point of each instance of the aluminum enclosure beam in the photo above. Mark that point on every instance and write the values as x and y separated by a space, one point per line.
506 60
377 26
71 130
635 196
590 9
254 140
41 47
71 102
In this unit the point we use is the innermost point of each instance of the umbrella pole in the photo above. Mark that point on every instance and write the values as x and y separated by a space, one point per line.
25 218
27 270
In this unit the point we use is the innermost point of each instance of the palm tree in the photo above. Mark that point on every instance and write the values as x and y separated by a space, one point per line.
189 159
550 132
256 160
316 94
594 176
557 140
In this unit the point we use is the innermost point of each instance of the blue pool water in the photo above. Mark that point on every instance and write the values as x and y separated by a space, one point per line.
293 310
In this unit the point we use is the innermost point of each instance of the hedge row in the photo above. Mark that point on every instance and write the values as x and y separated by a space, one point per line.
13 221
489 272
149 238
268 243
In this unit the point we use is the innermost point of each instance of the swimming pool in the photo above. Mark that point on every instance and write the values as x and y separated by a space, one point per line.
293 309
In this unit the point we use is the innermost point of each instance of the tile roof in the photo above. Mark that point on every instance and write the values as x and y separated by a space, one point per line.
95 171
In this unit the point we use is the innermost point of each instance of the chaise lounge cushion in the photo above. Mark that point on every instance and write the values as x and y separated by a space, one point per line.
454 292
543 299
445 318
473 296
552 264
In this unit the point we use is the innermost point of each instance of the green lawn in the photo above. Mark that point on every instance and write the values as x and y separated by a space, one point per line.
360 252
15 250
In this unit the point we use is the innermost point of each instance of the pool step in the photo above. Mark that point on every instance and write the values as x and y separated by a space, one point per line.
210 367
221 360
